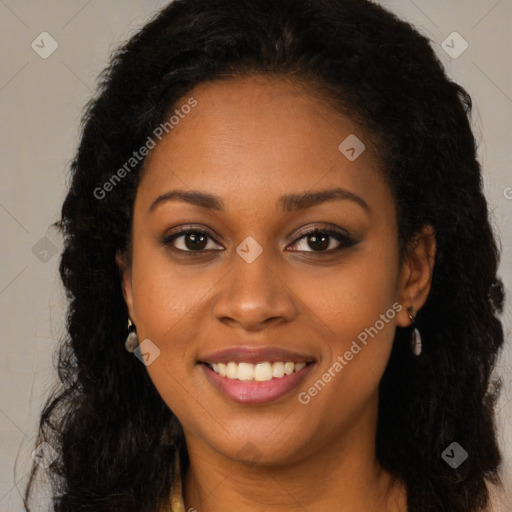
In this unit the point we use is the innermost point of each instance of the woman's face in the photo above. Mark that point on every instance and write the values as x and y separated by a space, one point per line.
268 152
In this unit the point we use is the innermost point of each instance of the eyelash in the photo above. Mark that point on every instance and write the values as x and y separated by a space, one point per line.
344 240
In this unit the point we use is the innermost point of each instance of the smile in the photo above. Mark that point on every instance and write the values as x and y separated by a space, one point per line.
260 372
276 381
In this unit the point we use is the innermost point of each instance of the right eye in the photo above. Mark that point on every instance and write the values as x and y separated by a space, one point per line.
191 240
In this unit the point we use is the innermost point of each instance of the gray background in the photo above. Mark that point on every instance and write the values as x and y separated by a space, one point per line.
40 106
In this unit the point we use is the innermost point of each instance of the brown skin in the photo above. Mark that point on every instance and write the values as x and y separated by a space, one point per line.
251 141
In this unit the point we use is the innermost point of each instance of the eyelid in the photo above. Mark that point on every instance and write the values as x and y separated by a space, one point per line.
185 228
322 227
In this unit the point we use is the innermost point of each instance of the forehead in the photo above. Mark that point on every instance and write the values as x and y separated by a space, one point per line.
254 138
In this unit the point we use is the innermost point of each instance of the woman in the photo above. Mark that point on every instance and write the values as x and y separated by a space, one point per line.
281 272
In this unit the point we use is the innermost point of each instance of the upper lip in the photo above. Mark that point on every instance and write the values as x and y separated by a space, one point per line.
246 354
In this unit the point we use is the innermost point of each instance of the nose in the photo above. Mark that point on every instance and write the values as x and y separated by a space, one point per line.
253 295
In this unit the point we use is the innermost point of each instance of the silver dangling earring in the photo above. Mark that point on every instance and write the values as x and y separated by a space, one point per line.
132 341
416 345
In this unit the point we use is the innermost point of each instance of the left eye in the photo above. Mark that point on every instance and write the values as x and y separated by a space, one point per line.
322 241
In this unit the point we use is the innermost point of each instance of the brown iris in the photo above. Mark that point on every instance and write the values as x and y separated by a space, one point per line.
318 241
196 241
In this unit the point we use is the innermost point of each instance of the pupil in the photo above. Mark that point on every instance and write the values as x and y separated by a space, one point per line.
318 242
195 241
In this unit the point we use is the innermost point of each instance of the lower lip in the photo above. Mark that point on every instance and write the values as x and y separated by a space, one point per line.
255 392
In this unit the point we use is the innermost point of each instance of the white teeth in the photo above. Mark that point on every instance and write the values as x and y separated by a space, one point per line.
278 370
231 370
245 371
260 372
263 372
288 368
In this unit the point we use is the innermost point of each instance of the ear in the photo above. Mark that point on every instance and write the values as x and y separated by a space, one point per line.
416 272
126 283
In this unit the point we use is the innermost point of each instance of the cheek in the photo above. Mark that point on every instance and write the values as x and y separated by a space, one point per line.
355 307
167 301
166 294
350 297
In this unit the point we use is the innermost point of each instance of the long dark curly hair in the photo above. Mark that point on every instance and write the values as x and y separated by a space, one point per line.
115 437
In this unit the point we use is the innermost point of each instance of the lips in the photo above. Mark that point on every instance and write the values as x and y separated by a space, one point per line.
256 387
254 355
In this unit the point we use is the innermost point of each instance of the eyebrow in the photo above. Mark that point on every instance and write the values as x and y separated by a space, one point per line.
288 203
